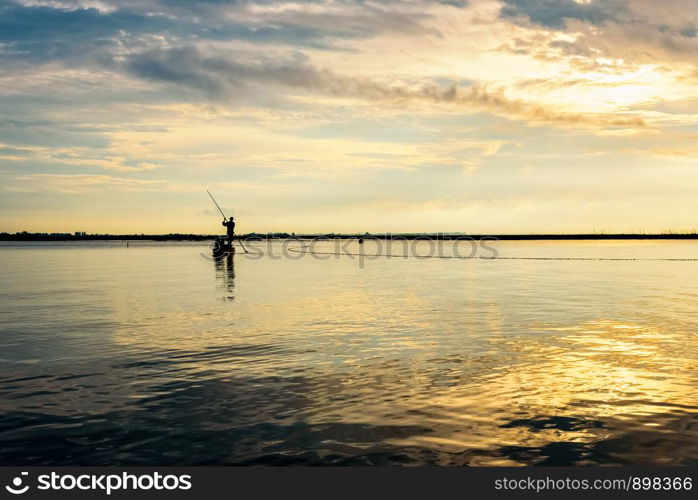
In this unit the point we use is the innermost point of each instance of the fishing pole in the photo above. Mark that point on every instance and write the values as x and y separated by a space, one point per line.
240 243
221 211
214 201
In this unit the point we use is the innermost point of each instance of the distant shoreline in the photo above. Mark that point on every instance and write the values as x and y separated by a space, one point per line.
408 236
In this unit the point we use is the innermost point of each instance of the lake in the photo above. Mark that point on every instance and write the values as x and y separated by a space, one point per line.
155 354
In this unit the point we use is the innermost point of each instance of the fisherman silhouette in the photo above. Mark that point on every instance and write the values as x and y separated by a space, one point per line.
230 224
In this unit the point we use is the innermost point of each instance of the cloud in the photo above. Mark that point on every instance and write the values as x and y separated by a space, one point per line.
322 104
630 31
221 77
555 13
38 33
101 160
74 157
73 183
642 42
13 153
80 31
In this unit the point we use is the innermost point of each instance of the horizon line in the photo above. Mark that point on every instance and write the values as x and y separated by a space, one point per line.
79 235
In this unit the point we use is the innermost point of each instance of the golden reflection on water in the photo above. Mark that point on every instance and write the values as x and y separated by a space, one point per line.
380 351
604 377
480 363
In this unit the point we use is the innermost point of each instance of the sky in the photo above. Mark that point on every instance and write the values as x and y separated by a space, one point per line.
478 116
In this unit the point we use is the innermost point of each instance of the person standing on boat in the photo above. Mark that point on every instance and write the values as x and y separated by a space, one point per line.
230 225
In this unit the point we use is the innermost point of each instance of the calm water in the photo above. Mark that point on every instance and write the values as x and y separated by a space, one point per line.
155 355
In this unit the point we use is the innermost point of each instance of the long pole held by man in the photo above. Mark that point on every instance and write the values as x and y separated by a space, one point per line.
229 224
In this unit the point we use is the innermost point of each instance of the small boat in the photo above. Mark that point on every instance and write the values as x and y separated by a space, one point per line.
221 248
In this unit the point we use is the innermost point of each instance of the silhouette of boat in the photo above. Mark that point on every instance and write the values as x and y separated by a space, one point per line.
221 248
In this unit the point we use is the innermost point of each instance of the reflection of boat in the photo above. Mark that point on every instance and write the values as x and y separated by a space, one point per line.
225 271
221 248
